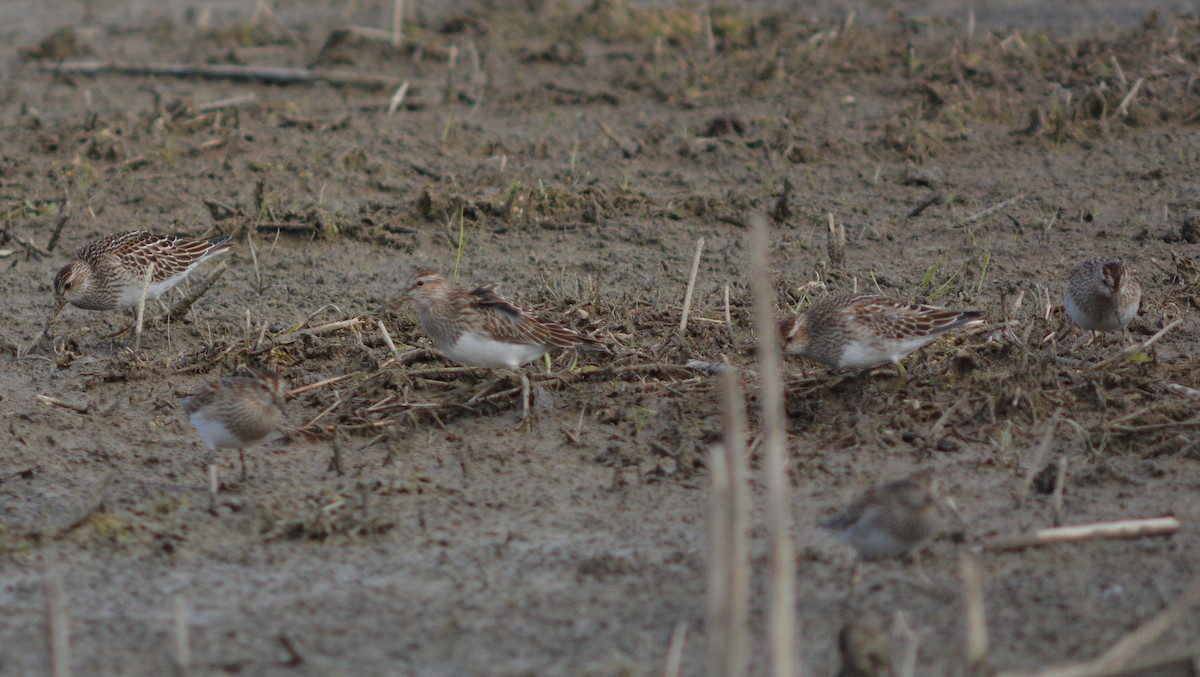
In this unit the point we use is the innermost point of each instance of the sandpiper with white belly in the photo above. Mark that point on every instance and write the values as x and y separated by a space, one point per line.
480 328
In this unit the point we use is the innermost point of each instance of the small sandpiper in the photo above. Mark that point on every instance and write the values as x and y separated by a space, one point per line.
1103 294
864 331
890 519
110 273
236 412
480 328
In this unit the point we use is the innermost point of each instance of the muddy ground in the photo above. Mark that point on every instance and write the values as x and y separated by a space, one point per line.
574 154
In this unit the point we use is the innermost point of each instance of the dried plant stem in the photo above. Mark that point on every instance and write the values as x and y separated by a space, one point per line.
387 340
728 315
54 401
933 198
1131 528
231 102
976 633
1039 456
182 306
214 483
1135 348
397 22
719 561
1115 661
729 544
278 75
397 100
58 227
691 288
627 147
935 432
836 244
781 612
912 645
450 92
675 650
710 40
183 641
337 402
1060 481
982 214
293 336
335 461
57 621
27 243
1123 108
319 384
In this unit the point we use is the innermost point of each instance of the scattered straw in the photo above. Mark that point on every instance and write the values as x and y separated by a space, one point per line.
397 100
57 622
781 612
674 660
181 307
1123 109
975 651
1141 347
183 642
1117 659
1130 528
387 340
54 401
691 287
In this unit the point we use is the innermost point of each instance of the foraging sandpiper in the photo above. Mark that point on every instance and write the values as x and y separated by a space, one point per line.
110 272
237 411
480 328
1102 294
890 519
867 330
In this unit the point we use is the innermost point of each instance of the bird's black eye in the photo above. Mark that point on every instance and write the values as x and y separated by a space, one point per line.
67 285
420 283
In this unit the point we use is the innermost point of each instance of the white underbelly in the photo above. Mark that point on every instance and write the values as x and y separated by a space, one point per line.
1101 322
474 350
874 542
864 355
130 297
214 433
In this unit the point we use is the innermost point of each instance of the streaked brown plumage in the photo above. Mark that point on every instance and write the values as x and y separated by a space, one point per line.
238 411
1102 294
890 519
480 328
867 330
108 273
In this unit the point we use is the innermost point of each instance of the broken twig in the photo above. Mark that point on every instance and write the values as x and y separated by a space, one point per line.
272 74
1132 528
691 288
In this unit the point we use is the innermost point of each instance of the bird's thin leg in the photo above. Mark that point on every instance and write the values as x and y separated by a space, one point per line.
214 483
242 456
901 378
916 555
526 422
855 579
859 380
526 396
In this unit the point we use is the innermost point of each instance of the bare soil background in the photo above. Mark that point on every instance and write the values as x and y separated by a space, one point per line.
574 154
